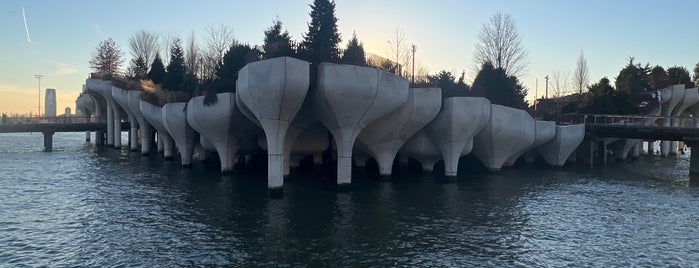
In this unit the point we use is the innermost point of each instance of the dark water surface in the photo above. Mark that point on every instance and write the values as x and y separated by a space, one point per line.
86 206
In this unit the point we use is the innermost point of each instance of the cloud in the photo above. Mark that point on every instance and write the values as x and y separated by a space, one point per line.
64 68
26 29
99 31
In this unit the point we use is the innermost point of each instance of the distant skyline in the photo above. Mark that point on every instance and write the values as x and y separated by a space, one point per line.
57 38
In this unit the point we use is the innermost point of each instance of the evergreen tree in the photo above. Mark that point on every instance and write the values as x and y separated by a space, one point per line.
107 59
495 85
176 71
633 79
138 69
235 59
599 99
277 43
678 75
157 71
354 53
450 88
320 43
696 75
658 79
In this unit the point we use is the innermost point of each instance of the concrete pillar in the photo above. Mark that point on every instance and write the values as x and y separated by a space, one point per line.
694 158
110 125
602 152
48 141
99 138
589 152
133 134
117 127
87 136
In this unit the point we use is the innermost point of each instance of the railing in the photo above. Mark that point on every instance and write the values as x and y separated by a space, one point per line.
45 120
628 120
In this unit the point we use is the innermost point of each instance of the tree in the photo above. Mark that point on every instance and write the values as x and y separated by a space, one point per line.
599 99
560 83
235 59
216 43
157 70
192 56
320 43
138 69
696 74
658 79
678 75
277 43
176 71
107 59
499 44
354 53
581 77
495 85
450 87
399 50
145 45
633 79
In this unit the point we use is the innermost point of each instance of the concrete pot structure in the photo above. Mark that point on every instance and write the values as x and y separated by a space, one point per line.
567 139
421 148
508 132
454 128
222 127
273 91
347 99
385 136
121 98
174 116
143 125
622 148
154 115
543 133
302 122
103 88
88 106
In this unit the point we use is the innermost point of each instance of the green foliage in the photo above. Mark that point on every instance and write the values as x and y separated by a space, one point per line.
495 85
658 79
157 71
138 69
320 43
354 53
696 75
633 79
176 71
107 59
678 75
602 98
277 43
450 87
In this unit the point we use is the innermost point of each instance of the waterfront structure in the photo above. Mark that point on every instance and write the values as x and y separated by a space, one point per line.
50 103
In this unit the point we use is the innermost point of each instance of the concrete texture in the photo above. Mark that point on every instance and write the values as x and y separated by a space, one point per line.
348 98
144 127
454 128
508 132
543 133
103 88
273 91
421 148
174 116
222 126
622 147
385 136
566 140
154 115
121 98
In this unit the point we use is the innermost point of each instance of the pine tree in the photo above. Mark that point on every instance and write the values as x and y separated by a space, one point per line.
138 69
235 59
277 43
495 85
320 43
176 72
354 54
107 59
157 71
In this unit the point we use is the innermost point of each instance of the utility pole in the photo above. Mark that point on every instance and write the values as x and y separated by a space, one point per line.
413 73
39 76
547 86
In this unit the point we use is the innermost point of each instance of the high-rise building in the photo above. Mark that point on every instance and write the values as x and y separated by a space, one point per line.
50 103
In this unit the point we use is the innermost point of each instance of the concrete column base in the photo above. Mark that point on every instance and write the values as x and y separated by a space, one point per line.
48 141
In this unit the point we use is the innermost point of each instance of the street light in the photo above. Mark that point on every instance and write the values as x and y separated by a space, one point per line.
39 76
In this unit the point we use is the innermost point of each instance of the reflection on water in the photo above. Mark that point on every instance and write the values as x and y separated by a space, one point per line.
87 206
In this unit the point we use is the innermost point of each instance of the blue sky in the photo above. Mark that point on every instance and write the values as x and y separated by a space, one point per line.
64 34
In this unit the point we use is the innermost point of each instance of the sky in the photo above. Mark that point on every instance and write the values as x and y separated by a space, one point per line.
60 36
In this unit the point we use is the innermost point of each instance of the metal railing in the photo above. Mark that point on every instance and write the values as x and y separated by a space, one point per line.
46 120
631 120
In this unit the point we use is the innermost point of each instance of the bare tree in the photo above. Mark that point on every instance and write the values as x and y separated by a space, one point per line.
399 50
560 83
107 58
145 45
192 55
166 45
581 77
500 44
217 42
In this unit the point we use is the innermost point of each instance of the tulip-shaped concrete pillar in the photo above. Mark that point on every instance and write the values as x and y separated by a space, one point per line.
143 125
543 133
174 117
301 122
154 116
508 132
121 97
421 148
385 136
273 91
559 148
104 89
452 131
222 124
348 98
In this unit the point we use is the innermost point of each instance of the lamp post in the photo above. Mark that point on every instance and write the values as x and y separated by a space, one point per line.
39 76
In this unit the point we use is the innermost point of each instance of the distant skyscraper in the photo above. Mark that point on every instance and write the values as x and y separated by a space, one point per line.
50 103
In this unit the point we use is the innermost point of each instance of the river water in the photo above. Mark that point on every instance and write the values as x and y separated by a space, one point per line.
83 205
